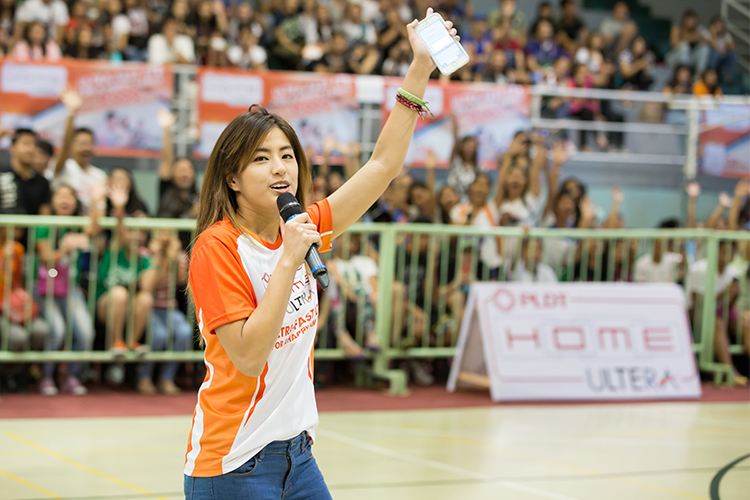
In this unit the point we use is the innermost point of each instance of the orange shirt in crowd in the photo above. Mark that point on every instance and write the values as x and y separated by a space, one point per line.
699 88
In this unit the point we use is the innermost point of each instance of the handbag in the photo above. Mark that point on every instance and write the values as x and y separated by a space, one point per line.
19 299
59 281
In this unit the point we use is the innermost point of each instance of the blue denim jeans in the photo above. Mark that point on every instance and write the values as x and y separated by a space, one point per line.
283 470
183 331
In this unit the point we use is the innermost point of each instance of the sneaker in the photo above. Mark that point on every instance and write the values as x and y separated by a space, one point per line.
47 387
146 387
74 387
119 349
168 388
420 374
139 349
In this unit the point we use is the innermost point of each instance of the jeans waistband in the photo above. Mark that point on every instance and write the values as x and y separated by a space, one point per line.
297 443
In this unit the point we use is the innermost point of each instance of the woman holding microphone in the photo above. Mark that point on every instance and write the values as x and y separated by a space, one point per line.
257 304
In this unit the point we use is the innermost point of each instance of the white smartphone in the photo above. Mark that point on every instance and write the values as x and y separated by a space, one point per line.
445 50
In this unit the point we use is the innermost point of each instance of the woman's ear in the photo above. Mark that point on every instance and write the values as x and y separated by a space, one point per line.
233 184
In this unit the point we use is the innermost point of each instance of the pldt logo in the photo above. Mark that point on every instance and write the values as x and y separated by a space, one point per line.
621 379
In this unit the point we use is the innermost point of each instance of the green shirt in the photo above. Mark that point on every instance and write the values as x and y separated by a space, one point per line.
122 273
42 234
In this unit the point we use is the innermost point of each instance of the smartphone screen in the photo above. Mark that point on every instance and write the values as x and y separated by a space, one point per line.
442 45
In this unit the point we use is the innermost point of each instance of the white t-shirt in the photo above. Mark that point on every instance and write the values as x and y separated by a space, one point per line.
359 33
81 180
358 271
120 26
525 210
543 274
696 280
489 251
53 14
254 56
666 271
236 415
160 52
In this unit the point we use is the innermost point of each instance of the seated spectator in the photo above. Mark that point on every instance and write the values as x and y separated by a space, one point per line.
244 17
247 54
79 16
81 46
22 309
119 23
726 288
209 19
558 106
585 109
393 32
636 65
24 191
134 206
661 265
618 30
43 158
509 25
318 36
447 199
498 70
398 59
543 11
36 45
165 252
530 268
357 30
543 51
53 14
518 196
723 56
681 82
688 45
73 166
463 167
182 13
137 12
708 84
169 46
479 41
119 269
65 255
7 14
592 53
571 30
479 213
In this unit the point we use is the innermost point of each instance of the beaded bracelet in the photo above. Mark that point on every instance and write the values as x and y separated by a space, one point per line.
404 96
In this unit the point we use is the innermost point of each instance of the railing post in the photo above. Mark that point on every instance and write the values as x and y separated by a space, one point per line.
386 273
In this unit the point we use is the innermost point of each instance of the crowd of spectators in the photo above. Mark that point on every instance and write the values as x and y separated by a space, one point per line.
135 286
364 37
137 282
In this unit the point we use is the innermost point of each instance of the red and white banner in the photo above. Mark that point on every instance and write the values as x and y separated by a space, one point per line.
120 102
492 113
578 341
315 105
725 141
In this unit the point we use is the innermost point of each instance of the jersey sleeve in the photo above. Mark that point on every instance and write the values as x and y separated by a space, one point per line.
221 290
320 213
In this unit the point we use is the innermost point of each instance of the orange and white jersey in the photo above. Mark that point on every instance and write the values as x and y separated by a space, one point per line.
236 415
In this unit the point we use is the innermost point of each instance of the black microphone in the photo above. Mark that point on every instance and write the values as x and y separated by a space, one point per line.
289 208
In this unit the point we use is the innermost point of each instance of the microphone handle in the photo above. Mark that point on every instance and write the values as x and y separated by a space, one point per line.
317 268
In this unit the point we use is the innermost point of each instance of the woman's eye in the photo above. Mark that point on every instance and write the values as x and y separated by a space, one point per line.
260 158
288 157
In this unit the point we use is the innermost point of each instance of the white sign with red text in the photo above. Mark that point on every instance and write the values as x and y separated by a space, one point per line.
577 341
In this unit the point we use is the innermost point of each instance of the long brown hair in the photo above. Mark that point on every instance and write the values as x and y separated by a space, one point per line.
232 153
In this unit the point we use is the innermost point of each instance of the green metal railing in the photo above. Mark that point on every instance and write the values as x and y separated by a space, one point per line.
412 304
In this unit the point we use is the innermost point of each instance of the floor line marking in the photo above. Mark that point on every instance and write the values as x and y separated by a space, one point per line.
83 467
30 485
441 466
583 470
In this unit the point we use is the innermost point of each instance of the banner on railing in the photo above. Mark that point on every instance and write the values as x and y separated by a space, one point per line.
315 105
120 102
725 141
489 112
578 341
